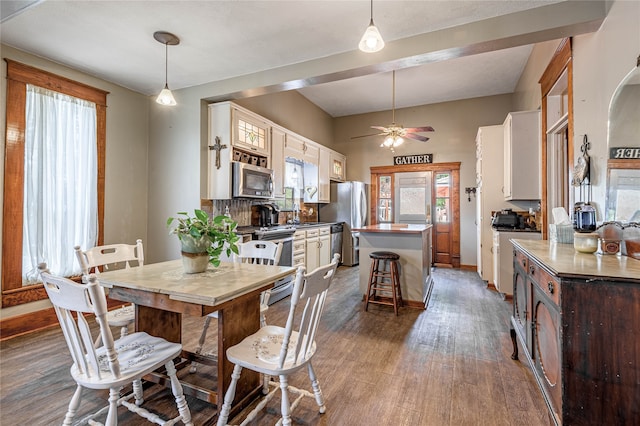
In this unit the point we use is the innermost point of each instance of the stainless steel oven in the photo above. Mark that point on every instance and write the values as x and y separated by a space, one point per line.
284 236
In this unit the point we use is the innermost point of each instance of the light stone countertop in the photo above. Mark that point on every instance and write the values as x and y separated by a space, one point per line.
211 288
562 260
394 228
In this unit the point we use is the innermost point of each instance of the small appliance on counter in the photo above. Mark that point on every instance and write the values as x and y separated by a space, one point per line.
584 217
266 215
507 218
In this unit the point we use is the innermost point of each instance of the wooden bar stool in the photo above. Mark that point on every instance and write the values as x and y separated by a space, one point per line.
384 284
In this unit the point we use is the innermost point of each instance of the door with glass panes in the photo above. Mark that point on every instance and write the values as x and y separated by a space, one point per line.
421 194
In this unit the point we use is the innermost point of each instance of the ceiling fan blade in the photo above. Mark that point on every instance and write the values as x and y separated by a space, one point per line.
420 129
366 136
384 129
416 137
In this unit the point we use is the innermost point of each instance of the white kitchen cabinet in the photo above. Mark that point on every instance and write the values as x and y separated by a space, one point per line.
522 162
294 147
324 184
489 174
278 136
503 257
250 131
235 134
312 249
337 166
325 246
299 248
301 149
318 247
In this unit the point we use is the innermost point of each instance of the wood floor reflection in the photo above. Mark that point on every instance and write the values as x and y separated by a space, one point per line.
447 365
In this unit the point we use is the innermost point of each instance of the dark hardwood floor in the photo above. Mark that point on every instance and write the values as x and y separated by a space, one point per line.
447 365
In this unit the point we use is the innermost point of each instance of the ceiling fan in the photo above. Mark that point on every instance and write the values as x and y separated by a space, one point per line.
395 133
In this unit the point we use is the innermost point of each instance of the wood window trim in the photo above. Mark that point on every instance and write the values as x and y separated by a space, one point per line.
18 76
561 60
452 167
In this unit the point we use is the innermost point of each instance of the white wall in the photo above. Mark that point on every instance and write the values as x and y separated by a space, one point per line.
601 60
126 156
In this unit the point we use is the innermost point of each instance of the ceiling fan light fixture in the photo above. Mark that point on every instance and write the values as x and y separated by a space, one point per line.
371 40
166 97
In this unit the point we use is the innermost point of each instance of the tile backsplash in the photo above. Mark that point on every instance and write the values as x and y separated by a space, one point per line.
240 211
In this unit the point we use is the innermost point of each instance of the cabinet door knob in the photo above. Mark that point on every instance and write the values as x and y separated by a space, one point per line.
551 287
532 270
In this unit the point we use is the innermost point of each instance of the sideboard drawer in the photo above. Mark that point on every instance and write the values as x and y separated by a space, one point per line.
521 260
545 281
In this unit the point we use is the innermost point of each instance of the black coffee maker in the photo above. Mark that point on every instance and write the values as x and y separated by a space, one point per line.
268 215
584 217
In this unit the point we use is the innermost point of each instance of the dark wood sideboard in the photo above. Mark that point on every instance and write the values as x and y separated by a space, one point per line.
577 319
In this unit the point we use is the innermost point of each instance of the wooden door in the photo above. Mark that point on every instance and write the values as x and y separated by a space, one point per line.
442 218
446 230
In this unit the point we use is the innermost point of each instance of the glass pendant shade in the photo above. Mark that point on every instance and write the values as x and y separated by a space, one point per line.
166 97
371 40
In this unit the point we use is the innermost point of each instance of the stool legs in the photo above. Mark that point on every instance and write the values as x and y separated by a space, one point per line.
377 275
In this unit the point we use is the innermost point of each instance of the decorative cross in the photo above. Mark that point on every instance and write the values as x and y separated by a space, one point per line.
217 147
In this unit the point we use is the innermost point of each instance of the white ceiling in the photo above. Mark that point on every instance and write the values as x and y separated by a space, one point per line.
242 48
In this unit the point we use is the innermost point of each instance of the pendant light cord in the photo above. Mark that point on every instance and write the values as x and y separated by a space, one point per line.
393 99
166 65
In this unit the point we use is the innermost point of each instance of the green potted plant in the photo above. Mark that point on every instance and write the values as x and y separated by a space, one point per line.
204 239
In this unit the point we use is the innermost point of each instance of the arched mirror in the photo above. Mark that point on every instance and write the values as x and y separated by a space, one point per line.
623 165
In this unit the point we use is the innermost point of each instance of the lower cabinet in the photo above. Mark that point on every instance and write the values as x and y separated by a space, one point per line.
318 247
580 335
546 348
299 249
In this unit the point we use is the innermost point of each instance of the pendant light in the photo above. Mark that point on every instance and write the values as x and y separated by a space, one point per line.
166 97
371 40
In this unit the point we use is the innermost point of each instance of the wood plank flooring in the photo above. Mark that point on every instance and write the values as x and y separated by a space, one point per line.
447 365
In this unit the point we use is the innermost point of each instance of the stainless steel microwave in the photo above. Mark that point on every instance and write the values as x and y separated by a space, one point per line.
251 181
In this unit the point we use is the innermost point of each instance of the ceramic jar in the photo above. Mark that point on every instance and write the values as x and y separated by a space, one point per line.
585 242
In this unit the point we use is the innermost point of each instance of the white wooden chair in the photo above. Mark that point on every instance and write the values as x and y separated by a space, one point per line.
278 351
114 364
257 252
109 257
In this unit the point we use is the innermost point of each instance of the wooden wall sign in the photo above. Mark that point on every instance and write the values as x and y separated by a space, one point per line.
413 159
624 153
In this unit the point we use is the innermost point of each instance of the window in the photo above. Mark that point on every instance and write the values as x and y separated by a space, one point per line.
18 77
60 181
443 198
385 200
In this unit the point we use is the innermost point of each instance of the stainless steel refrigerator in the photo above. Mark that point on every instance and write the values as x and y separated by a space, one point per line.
348 204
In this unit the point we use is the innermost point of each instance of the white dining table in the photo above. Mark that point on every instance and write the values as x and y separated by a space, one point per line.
163 292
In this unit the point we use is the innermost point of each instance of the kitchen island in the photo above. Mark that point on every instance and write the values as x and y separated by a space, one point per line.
413 244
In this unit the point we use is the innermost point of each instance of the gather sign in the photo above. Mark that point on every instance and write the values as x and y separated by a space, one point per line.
413 159
620 153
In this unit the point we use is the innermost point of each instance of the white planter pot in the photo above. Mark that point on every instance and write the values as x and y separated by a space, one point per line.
194 263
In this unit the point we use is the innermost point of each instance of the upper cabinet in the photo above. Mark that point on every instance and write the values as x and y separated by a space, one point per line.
522 156
278 137
250 131
324 186
301 149
237 134
337 166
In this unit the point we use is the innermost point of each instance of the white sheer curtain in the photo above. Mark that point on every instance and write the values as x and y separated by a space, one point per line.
60 181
